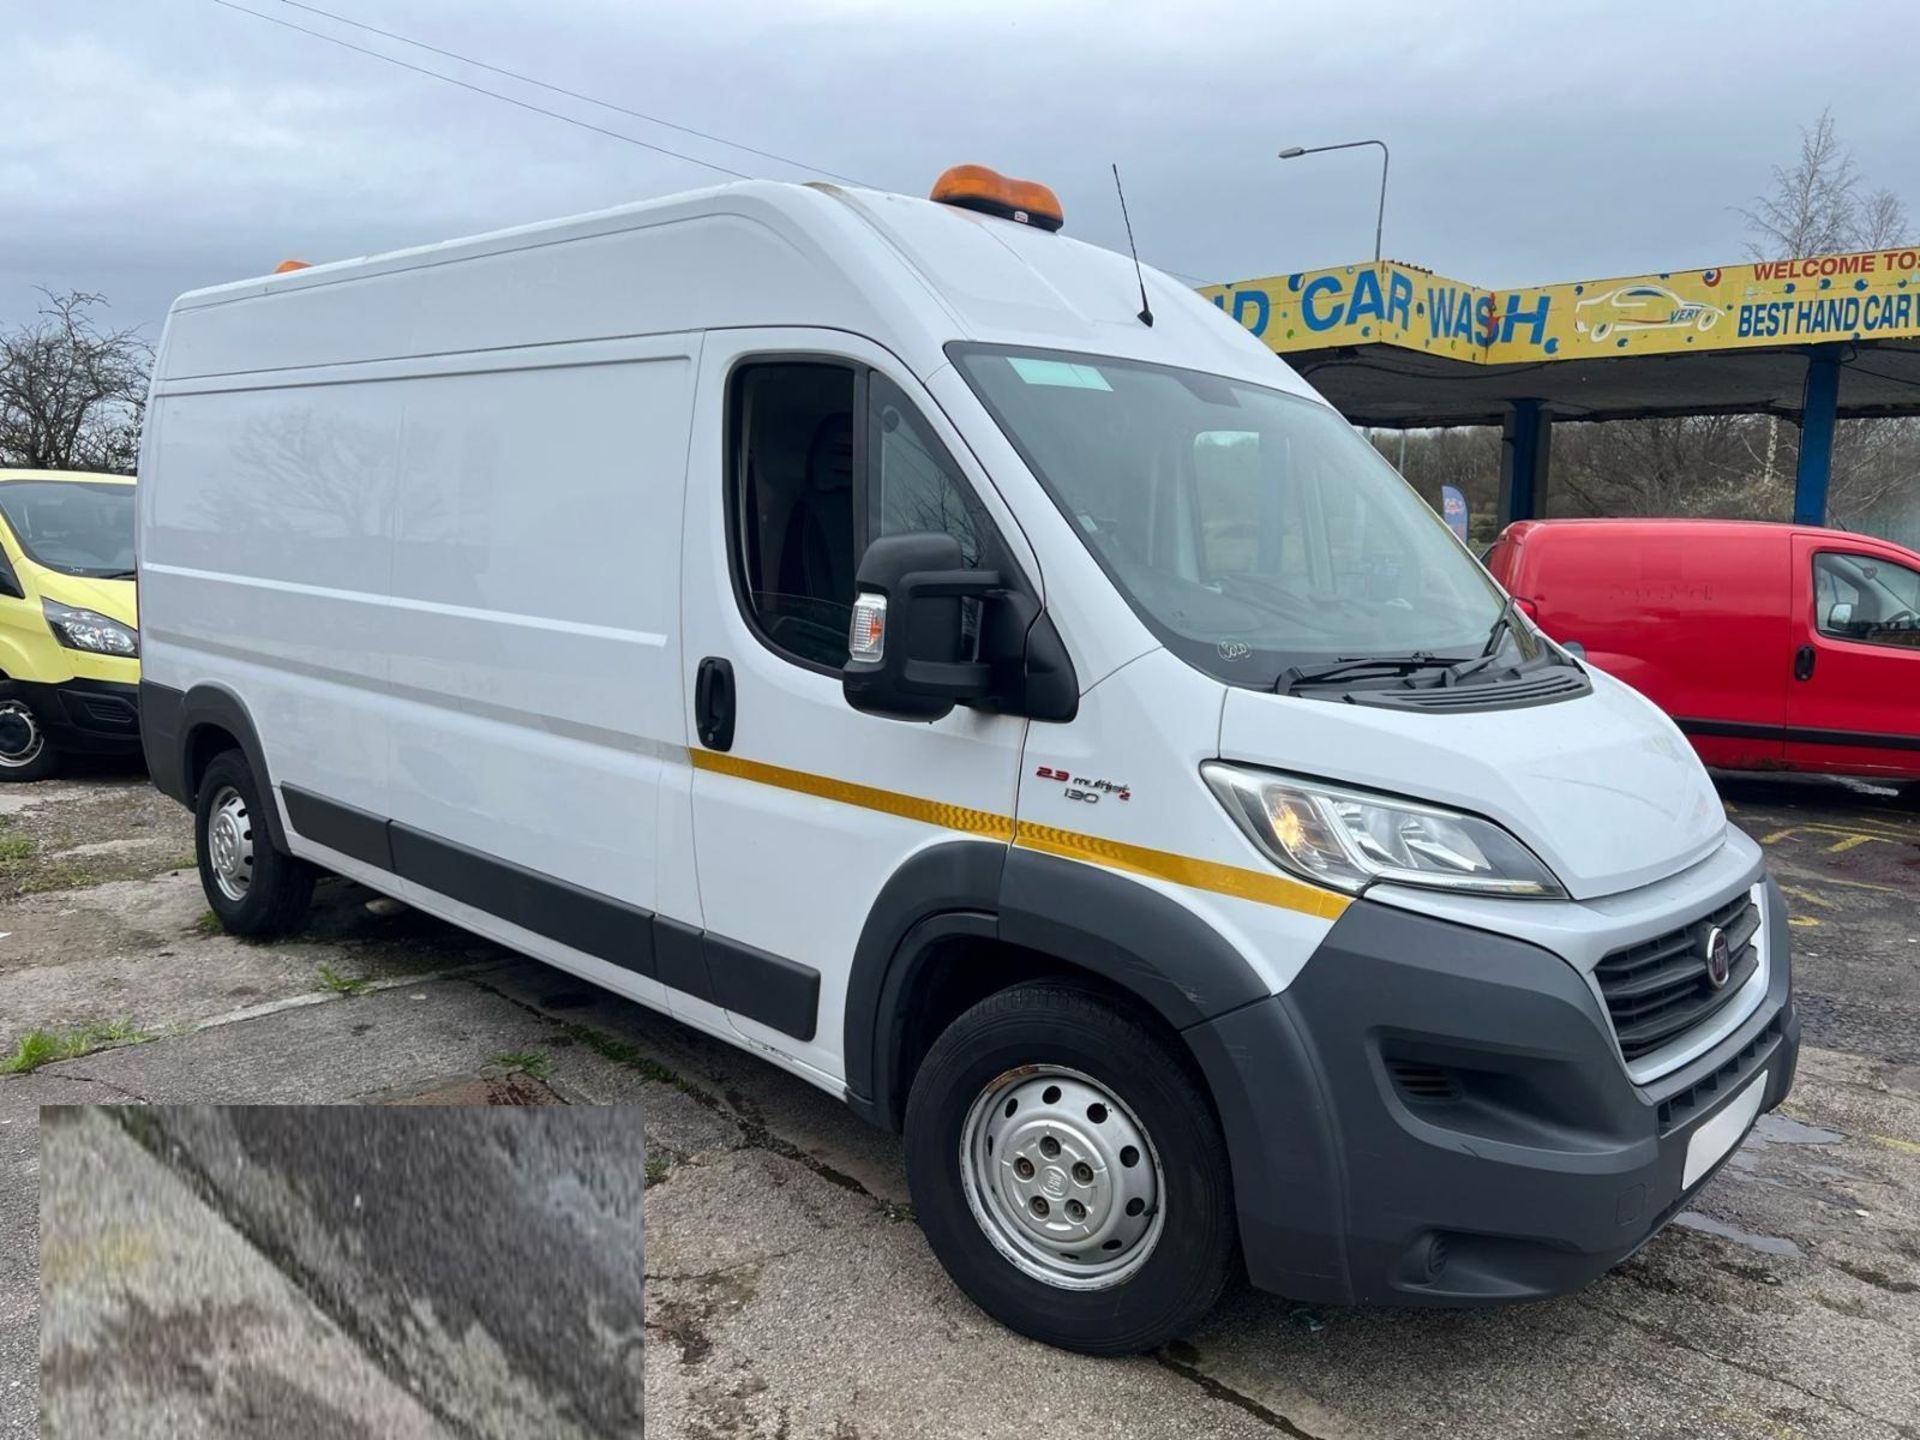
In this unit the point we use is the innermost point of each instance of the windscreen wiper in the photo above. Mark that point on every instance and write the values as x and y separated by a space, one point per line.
1502 627
1295 676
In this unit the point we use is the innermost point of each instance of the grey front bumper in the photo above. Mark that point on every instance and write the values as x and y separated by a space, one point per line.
1436 1114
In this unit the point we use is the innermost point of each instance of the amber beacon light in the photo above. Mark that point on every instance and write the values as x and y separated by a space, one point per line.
975 187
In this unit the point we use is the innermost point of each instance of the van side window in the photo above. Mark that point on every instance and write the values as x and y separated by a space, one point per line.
826 456
1862 597
915 484
797 530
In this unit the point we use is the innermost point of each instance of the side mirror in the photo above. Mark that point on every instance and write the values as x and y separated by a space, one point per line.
1840 617
907 653
10 582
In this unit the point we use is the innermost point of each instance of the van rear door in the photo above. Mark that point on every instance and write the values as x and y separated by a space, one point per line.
1854 705
806 445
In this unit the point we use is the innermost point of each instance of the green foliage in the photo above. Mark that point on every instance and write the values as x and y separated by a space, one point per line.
342 984
44 1046
526 1062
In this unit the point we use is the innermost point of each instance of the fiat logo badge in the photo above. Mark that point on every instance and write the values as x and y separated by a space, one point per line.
1719 957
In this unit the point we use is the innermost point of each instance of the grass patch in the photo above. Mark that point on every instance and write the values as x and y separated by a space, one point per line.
15 848
70 876
622 1053
657 1169
342 984
42 1047
525 1062
208 923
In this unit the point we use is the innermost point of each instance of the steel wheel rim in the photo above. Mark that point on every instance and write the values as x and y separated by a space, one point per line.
230 844
1062 1177
36 740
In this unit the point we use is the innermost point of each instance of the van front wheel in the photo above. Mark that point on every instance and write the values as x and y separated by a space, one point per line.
1069 1172
254 889
24 751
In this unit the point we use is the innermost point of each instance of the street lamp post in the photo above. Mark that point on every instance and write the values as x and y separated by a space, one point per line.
1294 152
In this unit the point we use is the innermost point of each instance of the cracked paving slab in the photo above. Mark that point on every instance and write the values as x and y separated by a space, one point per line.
489 1259
161 1321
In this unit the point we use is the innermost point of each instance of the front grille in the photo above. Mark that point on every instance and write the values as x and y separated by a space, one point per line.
1681 1106
110 710
1660 988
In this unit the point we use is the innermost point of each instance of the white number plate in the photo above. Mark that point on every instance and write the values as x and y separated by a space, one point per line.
1707 1145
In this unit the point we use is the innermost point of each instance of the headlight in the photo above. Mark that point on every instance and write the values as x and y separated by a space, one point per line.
89 630
1349 839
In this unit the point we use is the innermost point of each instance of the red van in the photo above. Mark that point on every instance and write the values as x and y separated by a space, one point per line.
1773 647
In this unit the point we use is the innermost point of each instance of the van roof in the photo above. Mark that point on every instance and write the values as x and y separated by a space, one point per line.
909 273
1639 524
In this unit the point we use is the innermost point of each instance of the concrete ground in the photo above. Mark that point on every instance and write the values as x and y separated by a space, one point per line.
788 1291
341 1272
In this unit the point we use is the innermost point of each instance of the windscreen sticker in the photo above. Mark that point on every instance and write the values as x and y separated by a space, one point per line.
1057 372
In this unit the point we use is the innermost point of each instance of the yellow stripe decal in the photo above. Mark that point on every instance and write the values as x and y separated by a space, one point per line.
1263 887
911 807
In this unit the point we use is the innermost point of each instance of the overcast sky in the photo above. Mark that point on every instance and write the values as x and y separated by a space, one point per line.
151 146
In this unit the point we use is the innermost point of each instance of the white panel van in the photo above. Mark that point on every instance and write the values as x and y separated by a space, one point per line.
892 636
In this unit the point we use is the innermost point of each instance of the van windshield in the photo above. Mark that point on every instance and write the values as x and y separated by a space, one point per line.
78 527
1252 530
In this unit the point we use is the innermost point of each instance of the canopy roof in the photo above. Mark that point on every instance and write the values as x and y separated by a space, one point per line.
1393 345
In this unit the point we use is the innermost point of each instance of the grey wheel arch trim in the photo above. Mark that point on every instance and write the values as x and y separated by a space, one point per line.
1103 923
171 722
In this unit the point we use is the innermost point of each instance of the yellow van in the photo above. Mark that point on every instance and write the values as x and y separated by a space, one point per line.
69 634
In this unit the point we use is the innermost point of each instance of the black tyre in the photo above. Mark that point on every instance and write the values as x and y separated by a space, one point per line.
25 752
1069 1171
254 889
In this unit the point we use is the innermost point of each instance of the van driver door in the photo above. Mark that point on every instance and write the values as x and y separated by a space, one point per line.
807 445
1855 698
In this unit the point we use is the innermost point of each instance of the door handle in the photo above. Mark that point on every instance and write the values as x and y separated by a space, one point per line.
1803 663
713 703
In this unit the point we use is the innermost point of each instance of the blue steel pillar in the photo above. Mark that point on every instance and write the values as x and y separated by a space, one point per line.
1525 440
1817 405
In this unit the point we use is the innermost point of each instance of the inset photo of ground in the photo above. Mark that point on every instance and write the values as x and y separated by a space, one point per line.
411 1270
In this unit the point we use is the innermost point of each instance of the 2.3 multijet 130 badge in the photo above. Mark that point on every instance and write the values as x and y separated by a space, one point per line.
1082 789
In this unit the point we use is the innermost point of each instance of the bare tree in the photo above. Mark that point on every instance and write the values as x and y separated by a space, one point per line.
72 393
1874 465
1814 204
1680 465
1882 223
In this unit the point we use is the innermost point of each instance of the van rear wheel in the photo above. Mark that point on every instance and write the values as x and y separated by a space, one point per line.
1069 1172
254 889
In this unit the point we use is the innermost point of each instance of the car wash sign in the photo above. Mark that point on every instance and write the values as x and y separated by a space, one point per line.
1866 295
